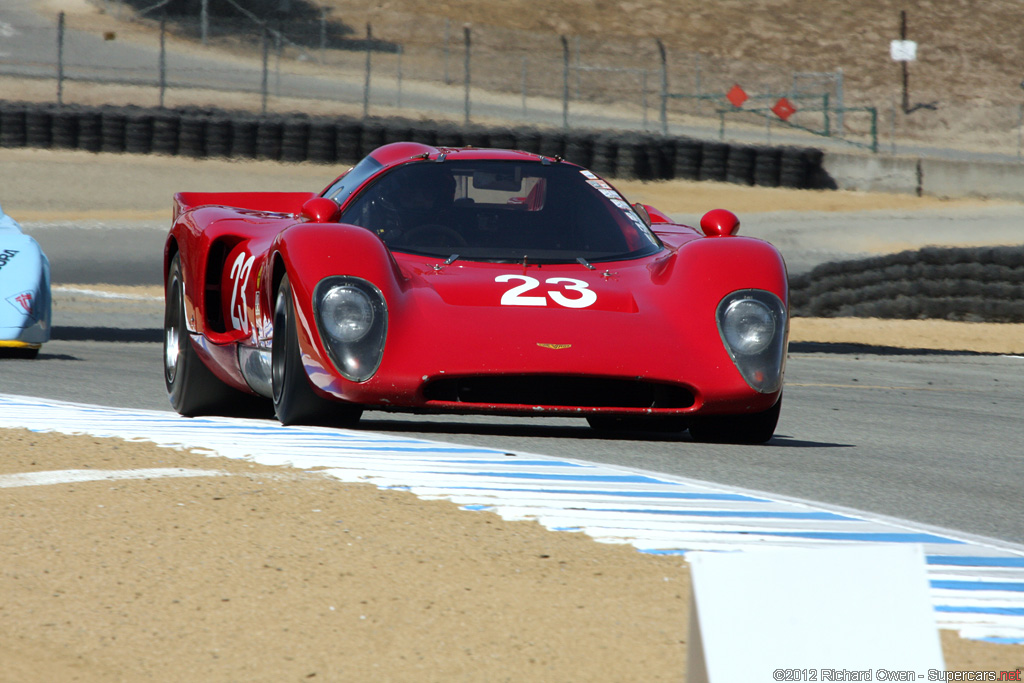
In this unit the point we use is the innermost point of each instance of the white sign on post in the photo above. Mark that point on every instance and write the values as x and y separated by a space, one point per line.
785 614
903 50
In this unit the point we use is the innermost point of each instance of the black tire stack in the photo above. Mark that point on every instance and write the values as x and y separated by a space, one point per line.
200 132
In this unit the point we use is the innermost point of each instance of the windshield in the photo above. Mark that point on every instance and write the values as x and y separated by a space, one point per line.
351 179
501 211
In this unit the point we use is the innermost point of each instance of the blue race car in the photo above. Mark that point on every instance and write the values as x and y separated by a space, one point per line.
25 308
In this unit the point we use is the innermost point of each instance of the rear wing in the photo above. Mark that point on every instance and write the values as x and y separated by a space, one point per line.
276 202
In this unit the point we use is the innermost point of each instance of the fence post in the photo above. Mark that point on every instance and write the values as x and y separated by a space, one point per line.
664 86
60 58
266 65
366 81
565 82
524 87
840 104
874 129
323 35
204 21
468 41
401 51
643 96
579 65
278 49
447 49
824 110
1020 131
163 58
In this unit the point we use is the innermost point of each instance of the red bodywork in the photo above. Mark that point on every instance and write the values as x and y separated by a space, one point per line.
653 320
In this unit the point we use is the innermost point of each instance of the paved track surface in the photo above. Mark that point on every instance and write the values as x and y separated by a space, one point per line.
931 437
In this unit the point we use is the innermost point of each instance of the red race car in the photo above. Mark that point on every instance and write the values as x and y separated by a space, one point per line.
473 281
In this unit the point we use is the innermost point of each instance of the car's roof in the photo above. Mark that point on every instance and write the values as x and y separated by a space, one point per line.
399 152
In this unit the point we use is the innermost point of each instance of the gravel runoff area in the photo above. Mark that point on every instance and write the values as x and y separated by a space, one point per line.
278 575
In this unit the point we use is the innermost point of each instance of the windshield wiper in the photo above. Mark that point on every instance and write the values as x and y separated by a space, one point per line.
447 262
584 262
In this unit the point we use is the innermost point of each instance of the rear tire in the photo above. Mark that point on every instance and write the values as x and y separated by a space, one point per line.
191 387
23 353
738 429
295 402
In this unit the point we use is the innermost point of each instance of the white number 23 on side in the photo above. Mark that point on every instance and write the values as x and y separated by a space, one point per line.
576 294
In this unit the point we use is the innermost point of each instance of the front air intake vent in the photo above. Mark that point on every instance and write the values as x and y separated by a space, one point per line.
560 391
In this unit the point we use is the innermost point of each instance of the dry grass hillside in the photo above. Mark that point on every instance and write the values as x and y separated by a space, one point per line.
968 61
969 51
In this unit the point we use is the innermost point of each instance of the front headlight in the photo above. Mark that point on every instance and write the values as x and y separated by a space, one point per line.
352 318
754 327
347 313
748 326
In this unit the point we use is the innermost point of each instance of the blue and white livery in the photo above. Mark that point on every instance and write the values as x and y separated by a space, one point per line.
25 307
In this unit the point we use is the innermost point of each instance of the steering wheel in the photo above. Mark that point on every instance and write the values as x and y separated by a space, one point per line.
434 235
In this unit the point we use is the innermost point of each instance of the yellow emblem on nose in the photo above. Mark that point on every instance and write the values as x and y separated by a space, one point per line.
553 346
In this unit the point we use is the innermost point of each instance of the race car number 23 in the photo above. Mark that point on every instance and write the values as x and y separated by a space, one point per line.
573 293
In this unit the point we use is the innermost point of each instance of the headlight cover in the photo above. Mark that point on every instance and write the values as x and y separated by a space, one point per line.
754 327
352 318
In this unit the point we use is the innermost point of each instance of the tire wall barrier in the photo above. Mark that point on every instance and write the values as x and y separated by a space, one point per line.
972 284
209 132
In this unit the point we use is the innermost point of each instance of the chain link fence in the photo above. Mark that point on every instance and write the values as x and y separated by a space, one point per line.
377 63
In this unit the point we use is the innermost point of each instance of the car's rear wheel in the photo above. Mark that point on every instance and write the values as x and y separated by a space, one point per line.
740 429
191 387
295 402
611 423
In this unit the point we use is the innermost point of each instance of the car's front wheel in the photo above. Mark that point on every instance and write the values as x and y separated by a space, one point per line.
191 387
295 402
740 429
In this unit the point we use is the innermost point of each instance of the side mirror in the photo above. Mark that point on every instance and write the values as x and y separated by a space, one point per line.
641 211
320 210
719 223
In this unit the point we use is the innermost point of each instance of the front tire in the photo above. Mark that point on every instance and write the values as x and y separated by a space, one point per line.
191 387
738 429
295 402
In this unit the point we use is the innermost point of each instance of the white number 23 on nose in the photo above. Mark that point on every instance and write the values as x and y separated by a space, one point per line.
581 294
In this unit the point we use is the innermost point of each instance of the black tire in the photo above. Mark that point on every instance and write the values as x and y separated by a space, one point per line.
38 124
767 165
322 148
192 136
739 165
294 139
739 429
243 137
21 353
348 135
218 137
687 159
712 161
609 423
12 125
165 133
90 130
191 387
65 128
295 402
112 129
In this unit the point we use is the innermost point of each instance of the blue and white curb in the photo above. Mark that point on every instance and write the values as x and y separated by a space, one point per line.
977 584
